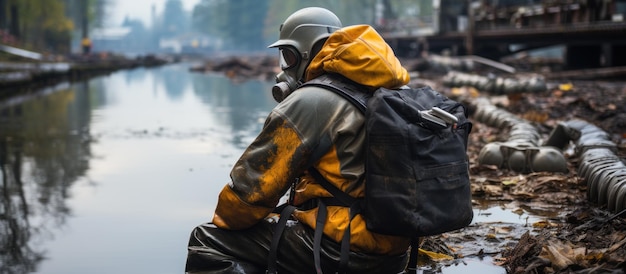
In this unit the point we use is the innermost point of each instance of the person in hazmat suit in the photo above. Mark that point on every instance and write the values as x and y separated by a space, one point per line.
311 127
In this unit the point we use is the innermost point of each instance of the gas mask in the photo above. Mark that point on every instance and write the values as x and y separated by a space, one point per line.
284 86
287 80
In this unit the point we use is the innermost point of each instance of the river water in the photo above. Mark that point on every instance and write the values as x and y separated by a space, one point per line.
110 175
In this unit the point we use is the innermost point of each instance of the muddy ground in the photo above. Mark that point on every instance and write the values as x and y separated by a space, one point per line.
572 235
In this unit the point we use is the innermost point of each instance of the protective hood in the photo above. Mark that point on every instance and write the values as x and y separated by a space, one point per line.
360 54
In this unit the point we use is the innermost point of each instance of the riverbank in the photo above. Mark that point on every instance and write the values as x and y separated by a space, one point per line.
19 75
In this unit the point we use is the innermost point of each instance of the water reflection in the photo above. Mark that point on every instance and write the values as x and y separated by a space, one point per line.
75 157
236 104
44 149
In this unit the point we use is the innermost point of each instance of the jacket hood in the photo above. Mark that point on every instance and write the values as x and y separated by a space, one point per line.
360 54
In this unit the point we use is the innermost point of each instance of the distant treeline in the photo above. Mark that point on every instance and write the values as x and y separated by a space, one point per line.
57 26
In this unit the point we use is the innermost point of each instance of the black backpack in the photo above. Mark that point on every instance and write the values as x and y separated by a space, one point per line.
416 170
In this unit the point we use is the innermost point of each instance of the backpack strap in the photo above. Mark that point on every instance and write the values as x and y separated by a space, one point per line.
339 198
272 258
352 92
348 89
412 265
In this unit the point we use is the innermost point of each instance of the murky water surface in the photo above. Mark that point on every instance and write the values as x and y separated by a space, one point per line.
111 175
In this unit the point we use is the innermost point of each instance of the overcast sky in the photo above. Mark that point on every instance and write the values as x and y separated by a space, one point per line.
141 9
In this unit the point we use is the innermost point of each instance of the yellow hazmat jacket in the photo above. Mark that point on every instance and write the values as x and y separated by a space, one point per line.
291 134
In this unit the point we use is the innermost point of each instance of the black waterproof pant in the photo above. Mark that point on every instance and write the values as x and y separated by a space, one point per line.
214 250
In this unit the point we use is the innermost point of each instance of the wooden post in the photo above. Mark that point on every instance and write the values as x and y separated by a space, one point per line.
14 26
84 24
469 37
3 15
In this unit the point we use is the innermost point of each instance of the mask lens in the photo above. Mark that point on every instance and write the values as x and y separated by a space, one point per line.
288 58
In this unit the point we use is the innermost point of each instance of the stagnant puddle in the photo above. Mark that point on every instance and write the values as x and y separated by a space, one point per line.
496 226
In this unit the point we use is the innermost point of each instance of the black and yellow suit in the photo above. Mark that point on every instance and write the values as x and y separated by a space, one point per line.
293 133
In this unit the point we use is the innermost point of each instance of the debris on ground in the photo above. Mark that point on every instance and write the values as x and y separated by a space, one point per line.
241 68
573 234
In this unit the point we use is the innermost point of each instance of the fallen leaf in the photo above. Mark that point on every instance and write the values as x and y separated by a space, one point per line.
566 87
435 256
543 224
510 182
493 190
